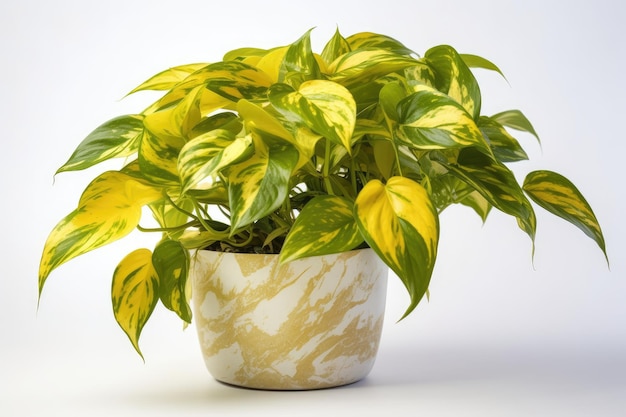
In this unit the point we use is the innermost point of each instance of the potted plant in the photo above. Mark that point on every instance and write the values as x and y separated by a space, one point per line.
287 158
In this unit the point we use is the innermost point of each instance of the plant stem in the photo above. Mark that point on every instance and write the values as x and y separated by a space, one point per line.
326 169
397 152
168 229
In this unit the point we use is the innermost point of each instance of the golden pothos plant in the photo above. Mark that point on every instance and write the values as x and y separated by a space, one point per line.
289 151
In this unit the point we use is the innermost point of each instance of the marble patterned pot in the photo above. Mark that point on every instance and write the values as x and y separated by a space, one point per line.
308 324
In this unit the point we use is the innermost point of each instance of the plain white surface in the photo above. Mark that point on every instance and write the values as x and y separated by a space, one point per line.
501 336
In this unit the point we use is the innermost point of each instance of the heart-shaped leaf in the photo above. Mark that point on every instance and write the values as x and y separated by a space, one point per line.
399 221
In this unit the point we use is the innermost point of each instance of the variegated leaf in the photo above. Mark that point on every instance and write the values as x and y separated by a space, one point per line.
241 54
167 79
515 119
270 64
108 210
369 40
478 203
454 78
225 120
505 147
560 197
134 293
118 137
260 184
264 123
232 80
365 65
215 193
325 225
431 120
325 107
176 121
204 156
166 133
171 263
299 63
399 221
260 119
370 127
157 158
335 47
497 184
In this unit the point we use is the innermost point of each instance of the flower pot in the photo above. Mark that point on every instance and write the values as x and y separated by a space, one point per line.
307 324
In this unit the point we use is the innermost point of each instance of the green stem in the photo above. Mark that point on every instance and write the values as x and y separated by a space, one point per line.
200 219
326 170
167 229
353 175
398 164
244 243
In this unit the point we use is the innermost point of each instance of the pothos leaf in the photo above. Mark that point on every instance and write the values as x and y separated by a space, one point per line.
171 263
399 221
560 197
118 137
325 107
454 77
108 210
260 184
325 225
134 293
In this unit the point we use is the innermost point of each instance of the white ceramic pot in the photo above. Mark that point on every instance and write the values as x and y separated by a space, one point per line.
310 323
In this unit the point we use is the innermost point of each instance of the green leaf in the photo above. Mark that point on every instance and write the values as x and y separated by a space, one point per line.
560 197
325 107
118 137
515 119
505 147
171 263
385 157
399 221
109 209
390 96
325 225
134 293
454 78
260 184
431 120
475 61
167 79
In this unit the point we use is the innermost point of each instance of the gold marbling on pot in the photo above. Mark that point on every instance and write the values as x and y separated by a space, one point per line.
311 323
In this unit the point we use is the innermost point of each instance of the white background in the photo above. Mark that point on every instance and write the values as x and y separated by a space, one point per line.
501 335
